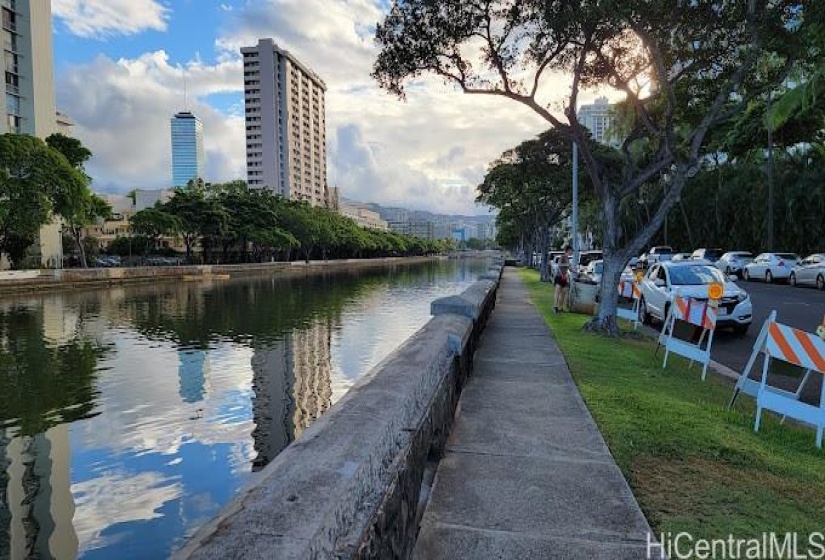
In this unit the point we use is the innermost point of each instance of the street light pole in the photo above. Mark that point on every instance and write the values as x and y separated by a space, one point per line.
575 265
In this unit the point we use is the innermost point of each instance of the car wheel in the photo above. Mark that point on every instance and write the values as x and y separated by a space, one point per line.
746 275
643 314
740 330
768 277
792 279
820 282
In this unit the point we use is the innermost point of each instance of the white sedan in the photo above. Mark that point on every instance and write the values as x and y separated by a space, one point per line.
770 267
811 272
691 279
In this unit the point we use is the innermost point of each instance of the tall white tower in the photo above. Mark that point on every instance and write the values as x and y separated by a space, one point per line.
286 145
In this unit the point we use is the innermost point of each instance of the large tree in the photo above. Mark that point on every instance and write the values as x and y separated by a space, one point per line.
74 200
31 174
197 214
153 223
685 67
530 186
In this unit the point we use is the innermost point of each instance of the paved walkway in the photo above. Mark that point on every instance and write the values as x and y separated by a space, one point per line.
526 473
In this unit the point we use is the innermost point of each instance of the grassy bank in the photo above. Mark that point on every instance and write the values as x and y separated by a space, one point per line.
693 465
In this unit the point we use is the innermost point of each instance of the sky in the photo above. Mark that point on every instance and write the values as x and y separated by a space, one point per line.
121 65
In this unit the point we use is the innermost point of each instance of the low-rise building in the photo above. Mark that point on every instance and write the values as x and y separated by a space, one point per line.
422 229
117 225
362 216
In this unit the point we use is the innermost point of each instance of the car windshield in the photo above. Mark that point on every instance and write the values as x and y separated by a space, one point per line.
743 255
713 254
787 256
695 275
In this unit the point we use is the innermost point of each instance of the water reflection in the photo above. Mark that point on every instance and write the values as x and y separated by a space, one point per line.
129 416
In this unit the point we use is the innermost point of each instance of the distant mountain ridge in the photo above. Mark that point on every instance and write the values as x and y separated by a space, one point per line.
393 213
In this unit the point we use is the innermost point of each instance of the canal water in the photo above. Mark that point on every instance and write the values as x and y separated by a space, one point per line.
129 416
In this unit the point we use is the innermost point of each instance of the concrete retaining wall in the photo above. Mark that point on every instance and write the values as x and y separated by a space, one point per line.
76 278
350 487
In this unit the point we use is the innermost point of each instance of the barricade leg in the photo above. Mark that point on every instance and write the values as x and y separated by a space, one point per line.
821 423
757 347
707 360
761 389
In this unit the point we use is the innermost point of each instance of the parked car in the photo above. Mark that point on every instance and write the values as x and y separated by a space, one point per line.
586 257
593 271
711 255
733 262
655 255
681 257
810 272
770 267
107 261
691 279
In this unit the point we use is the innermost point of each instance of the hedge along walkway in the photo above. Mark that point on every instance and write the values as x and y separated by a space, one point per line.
526 473
693 465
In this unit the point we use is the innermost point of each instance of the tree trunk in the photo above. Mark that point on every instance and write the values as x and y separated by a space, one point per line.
545 242
614 263
77 233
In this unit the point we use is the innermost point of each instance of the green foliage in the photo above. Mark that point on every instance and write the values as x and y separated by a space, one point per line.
127 246
72 149
726 206
32 176
199 215
236 224
693 465
152 224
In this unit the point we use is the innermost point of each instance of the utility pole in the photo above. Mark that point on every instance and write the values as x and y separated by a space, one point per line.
575 266
770 172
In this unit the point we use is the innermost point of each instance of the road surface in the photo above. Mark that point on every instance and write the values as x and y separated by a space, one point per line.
803 308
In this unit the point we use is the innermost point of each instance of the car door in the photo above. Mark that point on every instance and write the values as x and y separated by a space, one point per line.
810 267
804 271
658 297
759 266
648 288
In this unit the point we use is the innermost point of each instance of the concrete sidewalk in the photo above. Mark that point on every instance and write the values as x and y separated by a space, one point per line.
526 473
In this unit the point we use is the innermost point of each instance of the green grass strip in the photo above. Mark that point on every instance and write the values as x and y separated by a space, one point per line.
693 465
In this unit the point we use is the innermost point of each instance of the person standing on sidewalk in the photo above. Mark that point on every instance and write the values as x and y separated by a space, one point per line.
562 280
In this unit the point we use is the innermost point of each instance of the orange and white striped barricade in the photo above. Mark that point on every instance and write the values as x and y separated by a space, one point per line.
695 312
787 344
630 290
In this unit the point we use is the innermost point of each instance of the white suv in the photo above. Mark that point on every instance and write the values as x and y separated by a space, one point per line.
770 267
691 279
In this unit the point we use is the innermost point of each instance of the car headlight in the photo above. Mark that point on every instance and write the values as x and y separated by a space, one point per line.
741 296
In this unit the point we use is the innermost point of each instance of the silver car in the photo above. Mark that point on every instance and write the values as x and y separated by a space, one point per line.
770 267
733 262
810 272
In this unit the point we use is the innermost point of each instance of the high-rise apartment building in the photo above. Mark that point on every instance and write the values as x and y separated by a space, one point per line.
286 146
28 106
187 149
598 118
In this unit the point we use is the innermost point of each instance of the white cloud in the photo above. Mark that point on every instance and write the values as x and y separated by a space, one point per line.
106 18
428 152
122 110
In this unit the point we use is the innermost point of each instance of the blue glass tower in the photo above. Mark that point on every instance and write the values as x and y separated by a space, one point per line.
187 149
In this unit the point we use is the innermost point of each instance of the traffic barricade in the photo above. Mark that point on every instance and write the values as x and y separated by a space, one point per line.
630 290
793 346
701 314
